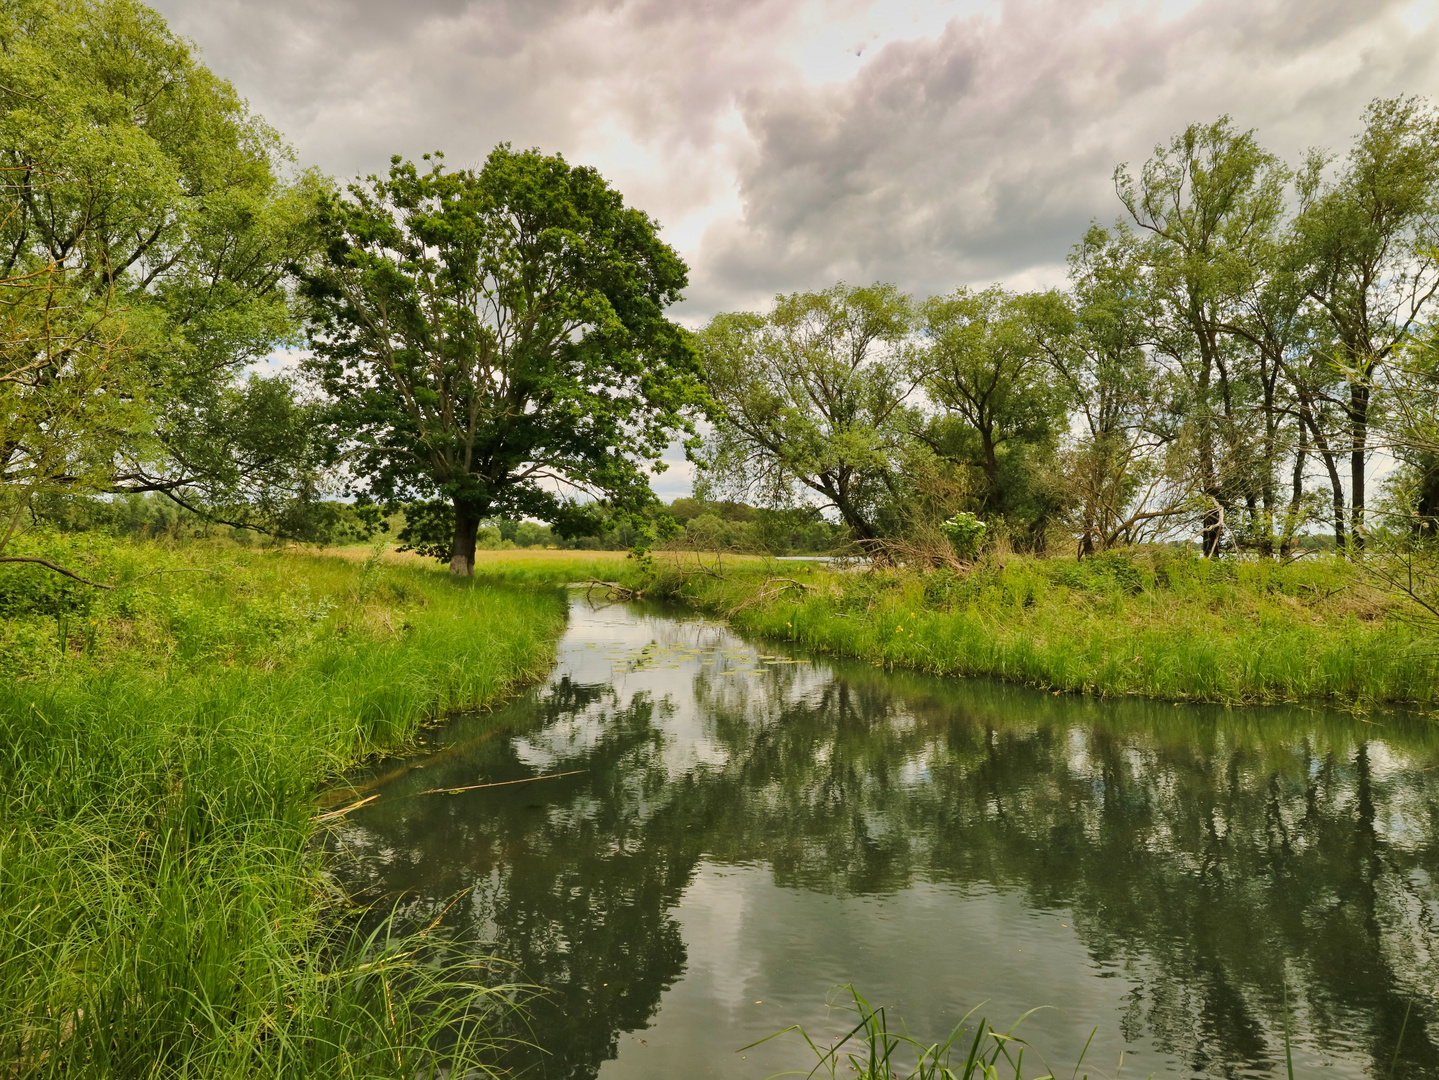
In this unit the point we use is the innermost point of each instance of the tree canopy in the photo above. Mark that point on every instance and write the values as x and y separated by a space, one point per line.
495 341
1243 318
812 398
147 230
997 400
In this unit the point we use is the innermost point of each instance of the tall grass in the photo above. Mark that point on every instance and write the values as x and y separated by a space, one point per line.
872 1050
1164 626
161 750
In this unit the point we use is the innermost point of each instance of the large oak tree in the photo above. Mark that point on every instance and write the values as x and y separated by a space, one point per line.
497 339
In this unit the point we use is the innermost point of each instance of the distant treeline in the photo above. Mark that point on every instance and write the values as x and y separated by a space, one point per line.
707 526
489 346
710 526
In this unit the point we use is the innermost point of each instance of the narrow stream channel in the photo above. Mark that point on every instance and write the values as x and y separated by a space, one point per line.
743 830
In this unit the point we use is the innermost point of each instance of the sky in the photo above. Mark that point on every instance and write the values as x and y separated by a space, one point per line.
788 144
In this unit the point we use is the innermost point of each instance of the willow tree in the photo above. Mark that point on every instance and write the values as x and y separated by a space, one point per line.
147 221
812 401
495 341
1211 202
1114 482
999 405
1366 244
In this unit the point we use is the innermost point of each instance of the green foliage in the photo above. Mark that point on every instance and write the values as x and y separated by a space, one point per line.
966 533
813 402
998 400
1212 203
1223 333
484 335
157 516
1365 243
1111 481
737 527
146 236
161 758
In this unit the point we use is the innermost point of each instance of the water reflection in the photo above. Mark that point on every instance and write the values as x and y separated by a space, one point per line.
743 832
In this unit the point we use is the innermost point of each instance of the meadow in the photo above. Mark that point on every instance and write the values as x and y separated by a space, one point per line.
169 746
1156 622
164 749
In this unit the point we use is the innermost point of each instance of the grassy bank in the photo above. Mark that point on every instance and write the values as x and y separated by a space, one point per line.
1155 623
162 745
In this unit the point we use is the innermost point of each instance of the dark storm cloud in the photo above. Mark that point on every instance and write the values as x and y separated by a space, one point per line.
787 144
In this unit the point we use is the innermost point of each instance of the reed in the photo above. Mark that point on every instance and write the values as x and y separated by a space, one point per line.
1147 623
872 1050
162 750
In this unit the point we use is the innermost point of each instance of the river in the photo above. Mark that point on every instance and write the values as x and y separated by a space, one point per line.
742 829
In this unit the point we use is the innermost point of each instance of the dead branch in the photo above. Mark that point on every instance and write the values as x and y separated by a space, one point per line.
330 815
51 566
677 557
772 589
500 783
613 590
930 553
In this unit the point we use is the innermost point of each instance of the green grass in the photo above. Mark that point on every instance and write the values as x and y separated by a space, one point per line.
1151 623
162 750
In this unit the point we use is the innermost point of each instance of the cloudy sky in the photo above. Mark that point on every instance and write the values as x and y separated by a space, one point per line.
787 144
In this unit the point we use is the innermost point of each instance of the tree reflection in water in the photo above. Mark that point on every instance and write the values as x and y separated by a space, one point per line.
1205 857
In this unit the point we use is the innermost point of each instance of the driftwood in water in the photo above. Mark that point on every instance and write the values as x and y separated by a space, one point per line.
613 590
499 783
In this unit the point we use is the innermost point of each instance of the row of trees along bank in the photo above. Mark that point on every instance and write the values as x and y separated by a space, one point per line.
1245 327
492 343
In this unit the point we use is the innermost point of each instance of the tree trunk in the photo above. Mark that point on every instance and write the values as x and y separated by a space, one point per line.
1210 532
462 550
836 489
1338 489
1331 466
1269 495
1426 526
1359 443
1296 493
991 468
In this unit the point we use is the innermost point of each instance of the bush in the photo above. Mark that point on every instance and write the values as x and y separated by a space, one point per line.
966 534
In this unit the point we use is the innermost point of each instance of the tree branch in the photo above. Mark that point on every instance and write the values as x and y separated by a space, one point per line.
51 566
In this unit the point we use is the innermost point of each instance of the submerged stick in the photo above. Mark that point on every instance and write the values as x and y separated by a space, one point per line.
345 810
499 783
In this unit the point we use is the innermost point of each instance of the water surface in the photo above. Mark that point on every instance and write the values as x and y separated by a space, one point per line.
741 831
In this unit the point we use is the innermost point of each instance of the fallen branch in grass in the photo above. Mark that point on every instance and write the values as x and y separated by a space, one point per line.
100 584
772 589
51 566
